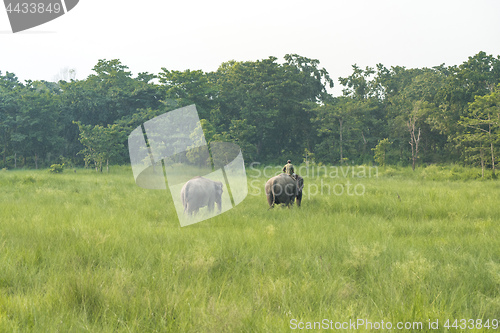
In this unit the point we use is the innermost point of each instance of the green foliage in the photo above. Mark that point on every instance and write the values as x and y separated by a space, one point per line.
346 127
481 130
358 84
380 151
56 168
272 101
308 157
437 172
28 179
189 87
101 143
273 110
66 162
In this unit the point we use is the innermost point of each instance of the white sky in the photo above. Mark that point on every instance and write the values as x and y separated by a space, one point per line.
147 35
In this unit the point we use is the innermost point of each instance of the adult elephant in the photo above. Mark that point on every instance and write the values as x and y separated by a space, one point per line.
199 192
283 189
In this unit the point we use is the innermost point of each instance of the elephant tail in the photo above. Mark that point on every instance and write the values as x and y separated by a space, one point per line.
185 196
272 201
273 191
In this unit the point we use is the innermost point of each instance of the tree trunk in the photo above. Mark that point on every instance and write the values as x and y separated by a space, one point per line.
491 144
15 160
364 142
5 149
414 141
412 158
481 153
107 166
341 152
493 159
36 161
416 149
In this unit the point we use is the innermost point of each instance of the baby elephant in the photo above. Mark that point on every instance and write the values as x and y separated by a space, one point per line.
199 192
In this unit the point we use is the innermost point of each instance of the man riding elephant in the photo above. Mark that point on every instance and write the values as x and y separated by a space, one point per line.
283 189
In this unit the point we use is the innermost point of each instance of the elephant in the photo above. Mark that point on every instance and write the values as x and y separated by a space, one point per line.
199 192
283 189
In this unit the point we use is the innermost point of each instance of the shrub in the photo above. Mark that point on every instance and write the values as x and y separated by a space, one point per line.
28 180
380 151
56 168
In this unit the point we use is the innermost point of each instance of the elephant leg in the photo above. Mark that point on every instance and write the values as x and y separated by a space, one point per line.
191 209
270 200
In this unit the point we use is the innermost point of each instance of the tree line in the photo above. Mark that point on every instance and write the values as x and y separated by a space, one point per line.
274 110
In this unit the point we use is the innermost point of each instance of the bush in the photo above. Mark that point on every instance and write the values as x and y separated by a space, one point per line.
28 180
56 168
451 172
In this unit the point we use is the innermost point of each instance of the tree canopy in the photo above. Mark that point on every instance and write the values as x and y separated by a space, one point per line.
273 109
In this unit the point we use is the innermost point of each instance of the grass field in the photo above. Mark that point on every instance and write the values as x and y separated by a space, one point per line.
94 252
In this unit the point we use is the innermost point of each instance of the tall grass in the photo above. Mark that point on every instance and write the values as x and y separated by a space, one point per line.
93 252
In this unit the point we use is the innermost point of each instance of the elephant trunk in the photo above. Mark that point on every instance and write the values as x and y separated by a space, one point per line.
300 185
299 198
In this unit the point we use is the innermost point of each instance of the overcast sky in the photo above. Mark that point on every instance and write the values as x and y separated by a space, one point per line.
179 35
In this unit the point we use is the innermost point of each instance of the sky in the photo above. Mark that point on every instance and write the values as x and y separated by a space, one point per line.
180 35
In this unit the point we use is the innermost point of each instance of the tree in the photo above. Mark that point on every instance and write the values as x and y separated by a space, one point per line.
36 131
332 116
241 133
414 137
477 76
358 85
482 127
409 101
272 109
189 87
273 98
380 151
10 89
105 97
473 148
100 144
347 128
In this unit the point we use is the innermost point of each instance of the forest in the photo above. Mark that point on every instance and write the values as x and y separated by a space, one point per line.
273 109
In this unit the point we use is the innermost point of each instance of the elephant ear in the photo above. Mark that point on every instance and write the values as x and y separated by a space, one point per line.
218 187
300 183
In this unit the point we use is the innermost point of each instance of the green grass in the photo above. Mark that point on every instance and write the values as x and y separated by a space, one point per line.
94 252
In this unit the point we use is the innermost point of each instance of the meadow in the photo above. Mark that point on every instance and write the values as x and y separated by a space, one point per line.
91 252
